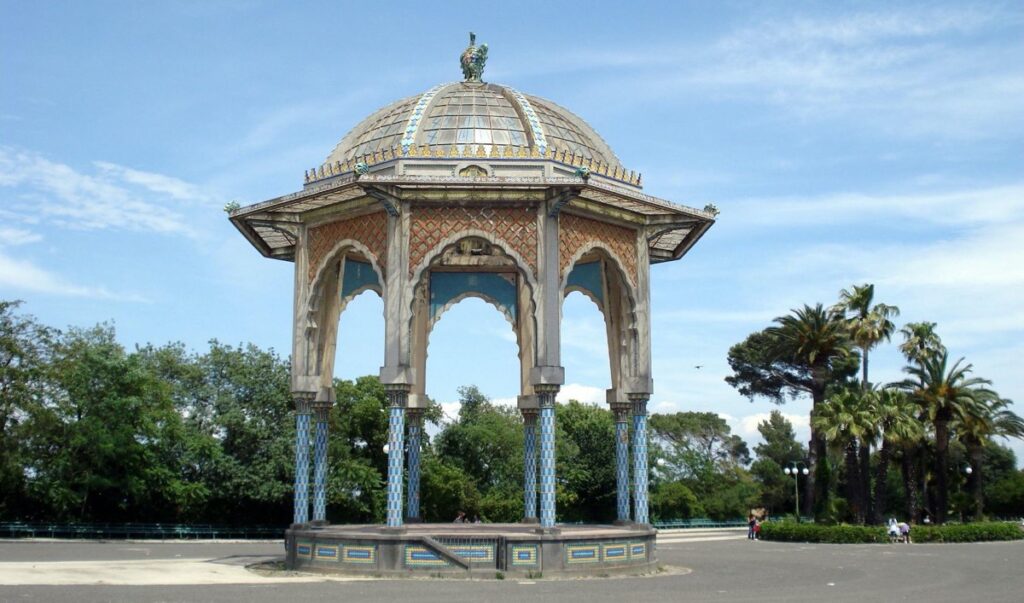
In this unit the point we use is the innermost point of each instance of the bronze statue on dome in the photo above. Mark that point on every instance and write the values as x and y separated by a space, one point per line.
473 59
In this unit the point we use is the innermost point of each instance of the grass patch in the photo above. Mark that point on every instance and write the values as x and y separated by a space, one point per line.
790 531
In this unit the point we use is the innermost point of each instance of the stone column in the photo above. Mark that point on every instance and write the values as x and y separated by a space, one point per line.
415 418
639 402
321 409
530 465
621 411
546 395
398 395
302 410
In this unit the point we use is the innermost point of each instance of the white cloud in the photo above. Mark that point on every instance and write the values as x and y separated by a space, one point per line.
17 236
20 275
581 393
113 198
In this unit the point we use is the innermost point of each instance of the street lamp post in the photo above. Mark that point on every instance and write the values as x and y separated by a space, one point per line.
795 468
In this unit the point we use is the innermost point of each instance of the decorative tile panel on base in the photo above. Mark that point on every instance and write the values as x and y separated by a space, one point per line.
421 556
524 556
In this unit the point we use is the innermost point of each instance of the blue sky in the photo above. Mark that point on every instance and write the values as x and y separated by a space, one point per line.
843 143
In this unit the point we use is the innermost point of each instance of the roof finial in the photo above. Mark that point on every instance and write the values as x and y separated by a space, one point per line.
473 59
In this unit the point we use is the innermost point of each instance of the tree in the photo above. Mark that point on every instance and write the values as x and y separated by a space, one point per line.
844 420
25 355
778 450
945 394
697 445
898 428
992 418
920 341
805 352
673 500
869 325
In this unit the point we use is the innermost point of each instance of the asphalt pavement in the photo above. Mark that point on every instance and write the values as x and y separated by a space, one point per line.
705 565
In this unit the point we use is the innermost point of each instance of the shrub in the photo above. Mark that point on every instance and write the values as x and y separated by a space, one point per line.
967 532
789 531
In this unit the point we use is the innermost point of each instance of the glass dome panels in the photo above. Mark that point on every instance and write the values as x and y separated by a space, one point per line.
473 114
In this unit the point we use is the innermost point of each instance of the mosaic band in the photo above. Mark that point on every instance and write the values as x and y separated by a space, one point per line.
302 412
414 416
321 411
529 464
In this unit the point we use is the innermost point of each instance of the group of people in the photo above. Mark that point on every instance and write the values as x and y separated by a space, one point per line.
461 518
754 527
898 532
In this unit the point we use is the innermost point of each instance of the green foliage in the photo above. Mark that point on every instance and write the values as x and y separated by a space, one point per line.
790 531
673 500
1005 497
967 532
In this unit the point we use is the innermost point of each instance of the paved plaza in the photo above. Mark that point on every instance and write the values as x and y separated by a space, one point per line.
702 565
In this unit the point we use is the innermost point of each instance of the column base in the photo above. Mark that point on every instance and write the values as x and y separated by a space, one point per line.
319 523
641 526
529 520
624 522
413 520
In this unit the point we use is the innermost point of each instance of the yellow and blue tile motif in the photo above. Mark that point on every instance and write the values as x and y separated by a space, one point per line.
304 550
582 553
475 553
638 550
419 556
326 552
524 556
615 551
359 554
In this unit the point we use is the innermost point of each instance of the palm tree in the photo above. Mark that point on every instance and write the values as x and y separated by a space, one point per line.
817 339
920 341
869 325
944 396
899 428
844 420
991 419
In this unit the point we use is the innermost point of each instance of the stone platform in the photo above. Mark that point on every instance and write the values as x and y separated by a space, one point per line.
482 550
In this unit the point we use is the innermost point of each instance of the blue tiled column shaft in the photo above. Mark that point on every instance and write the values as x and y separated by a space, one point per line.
530 464
640 459
321 410
397 398
301 459
547 455
622 459
415 418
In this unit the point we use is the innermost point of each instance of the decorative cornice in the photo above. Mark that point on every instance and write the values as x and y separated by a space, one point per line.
409 150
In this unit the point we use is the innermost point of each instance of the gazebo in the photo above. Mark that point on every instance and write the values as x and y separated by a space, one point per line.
471 189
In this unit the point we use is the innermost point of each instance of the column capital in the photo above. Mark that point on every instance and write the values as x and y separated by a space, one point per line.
414 414
397 394
546 395
529 415
303 401
621 411
639 402
322 409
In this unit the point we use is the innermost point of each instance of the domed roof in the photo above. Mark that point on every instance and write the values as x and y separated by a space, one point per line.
473 113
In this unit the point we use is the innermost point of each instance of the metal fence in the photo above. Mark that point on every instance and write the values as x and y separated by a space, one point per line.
122 531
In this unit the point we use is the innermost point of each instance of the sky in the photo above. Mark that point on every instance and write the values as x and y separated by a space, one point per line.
844 143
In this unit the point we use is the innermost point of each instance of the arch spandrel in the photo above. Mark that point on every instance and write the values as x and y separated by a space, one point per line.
577 235
431 227
370 230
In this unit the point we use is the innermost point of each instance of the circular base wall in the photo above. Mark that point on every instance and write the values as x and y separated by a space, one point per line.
471 549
